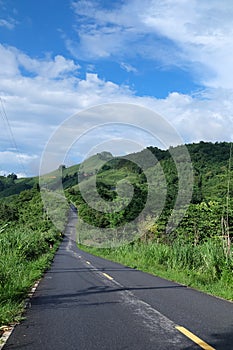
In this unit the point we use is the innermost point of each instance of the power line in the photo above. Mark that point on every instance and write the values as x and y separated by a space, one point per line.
12 138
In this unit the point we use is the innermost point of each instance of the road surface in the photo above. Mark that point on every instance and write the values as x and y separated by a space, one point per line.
85 302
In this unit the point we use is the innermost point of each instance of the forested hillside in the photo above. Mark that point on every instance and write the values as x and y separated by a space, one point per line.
207 214
198 252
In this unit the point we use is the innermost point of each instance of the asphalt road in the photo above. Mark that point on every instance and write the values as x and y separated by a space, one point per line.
85 302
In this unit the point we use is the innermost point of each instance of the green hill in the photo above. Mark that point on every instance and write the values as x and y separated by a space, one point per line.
10 185
210 164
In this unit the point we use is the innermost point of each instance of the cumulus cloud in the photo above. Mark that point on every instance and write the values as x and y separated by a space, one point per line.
36 104
50 68
205 116
16 162
9 157
13 60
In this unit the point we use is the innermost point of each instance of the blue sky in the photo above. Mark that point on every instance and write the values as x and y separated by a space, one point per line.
58 58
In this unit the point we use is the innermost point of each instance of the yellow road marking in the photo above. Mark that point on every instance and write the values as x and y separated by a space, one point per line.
194 338
106 275
88 262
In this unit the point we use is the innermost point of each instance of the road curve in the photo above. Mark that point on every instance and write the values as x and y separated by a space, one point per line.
86 302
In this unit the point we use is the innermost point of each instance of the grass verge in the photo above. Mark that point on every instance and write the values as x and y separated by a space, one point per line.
24 257
204 267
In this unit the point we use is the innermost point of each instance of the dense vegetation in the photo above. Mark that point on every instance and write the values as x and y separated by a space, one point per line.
28 241
209 214
10 185
198 251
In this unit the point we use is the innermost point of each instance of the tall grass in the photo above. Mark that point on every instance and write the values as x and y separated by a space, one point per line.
24 255
204 266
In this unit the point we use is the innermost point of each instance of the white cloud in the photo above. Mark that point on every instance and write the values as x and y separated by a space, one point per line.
202 30
207 116
104 33
50 68
37 104
8 63
196 35
13 60
9 157
19 163
7 172
3 172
